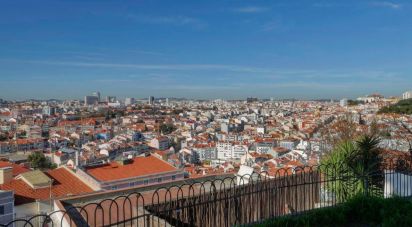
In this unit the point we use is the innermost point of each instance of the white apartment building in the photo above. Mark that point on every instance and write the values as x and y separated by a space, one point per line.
239 150
90 100
407 95
160 143
265 147
343 102
288 144
260 129
129 101
227 150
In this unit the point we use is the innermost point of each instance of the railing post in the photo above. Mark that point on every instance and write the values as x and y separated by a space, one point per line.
148 220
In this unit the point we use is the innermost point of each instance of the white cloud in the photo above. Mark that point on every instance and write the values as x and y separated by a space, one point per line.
233 68
386 4
168 20
251 9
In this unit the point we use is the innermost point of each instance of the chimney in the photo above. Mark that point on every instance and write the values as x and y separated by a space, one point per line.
6 175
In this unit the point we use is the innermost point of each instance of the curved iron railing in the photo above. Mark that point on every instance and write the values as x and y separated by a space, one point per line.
231 201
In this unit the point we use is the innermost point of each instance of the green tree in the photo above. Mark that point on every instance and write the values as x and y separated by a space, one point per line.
167 128
39 161
402 107
195 158
353 167
354 102
4 137
22 134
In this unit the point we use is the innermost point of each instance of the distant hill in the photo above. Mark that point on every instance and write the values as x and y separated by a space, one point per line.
402 107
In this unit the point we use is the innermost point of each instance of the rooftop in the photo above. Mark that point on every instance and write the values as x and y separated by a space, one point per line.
36 179
64 184
139 166
17 169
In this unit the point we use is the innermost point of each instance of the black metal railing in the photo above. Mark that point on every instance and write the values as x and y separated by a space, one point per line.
237 200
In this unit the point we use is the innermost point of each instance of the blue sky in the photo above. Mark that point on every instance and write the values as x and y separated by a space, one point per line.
205 49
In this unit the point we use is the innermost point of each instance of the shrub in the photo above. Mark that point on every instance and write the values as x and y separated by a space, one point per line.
358 211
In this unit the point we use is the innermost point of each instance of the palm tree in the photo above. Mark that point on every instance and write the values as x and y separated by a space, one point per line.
367 162
353 167
337 172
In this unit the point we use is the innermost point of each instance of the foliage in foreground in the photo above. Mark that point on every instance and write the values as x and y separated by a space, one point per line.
359 211
353 167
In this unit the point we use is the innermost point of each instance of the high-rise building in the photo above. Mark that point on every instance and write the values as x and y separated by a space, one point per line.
343 102
48 110
111 99
129 101
407 95
151 100
91 100
97 94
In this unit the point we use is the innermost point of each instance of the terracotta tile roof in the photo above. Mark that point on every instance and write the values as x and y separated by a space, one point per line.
280 149
270 140
65 183
140 166
17 169
28 141
5 113
293 163
257 155
87 121
162 138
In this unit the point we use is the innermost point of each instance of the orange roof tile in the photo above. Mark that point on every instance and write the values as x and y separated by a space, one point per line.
65 183
140 166
5 113
17 169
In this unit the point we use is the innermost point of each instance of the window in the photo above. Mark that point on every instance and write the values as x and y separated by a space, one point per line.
159 180
173 177
146 182
1 209
131 184
114 187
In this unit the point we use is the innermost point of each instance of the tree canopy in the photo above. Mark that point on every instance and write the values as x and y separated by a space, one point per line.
167 128
195 158
39 161
402 107
354 102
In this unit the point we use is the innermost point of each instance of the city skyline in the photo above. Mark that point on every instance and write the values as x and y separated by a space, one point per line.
207 50
205 112
121 100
